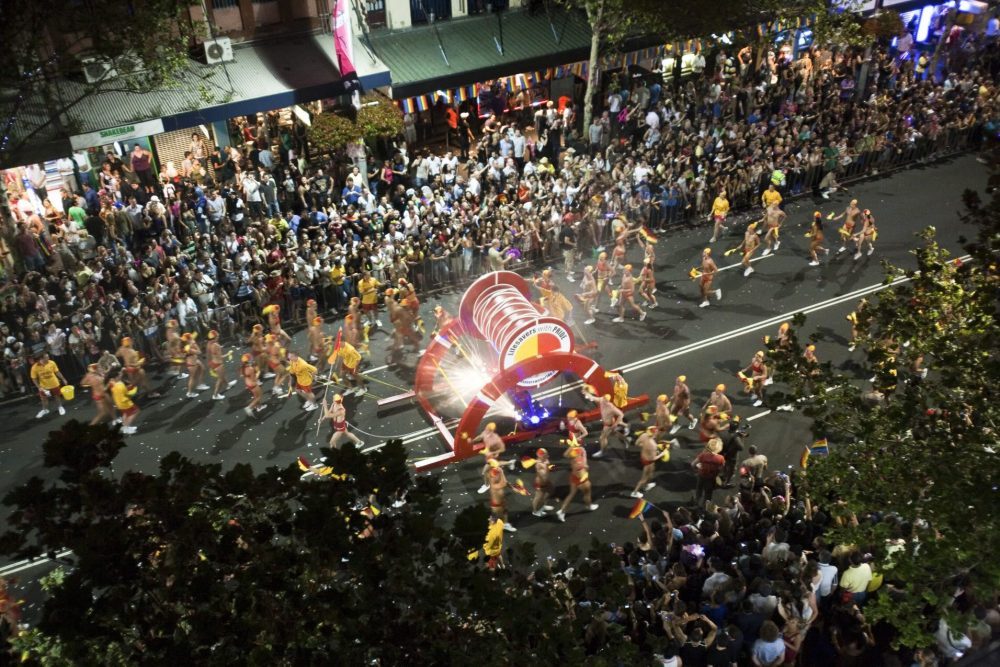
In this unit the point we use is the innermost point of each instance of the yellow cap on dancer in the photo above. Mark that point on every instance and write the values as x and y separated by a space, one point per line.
662 398
337 398
491 426
572 414
720 387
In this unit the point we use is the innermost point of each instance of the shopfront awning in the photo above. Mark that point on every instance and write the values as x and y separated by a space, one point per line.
460 52
262 76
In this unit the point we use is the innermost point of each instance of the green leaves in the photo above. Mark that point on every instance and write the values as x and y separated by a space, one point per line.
912 456
378 117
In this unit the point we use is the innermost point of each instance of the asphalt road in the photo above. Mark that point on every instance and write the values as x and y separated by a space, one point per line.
708 345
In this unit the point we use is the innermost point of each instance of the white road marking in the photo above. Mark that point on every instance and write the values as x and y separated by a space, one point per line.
27 564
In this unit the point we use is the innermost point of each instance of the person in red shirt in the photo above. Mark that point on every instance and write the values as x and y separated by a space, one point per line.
707 467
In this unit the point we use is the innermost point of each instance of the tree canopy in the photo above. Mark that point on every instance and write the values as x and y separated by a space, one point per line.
913 472
197 564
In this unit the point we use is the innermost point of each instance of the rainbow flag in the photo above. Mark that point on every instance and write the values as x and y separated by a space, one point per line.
641 507
819 448
649 236
527 462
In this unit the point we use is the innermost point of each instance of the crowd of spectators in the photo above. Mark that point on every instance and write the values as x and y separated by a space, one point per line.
267 221
753 581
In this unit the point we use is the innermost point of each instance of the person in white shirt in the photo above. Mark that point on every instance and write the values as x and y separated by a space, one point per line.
251 190
698 64
653 119
828 572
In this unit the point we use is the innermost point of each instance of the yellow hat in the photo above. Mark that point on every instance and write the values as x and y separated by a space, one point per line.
438 309
712 409
628 267
571 414
258 327
493 463
547 272
171 324
714 445
607 397
213 334
187 348
390 292
268 338
811 348
662 398
682 378
92 367
491 426
706 251
720 387
126 342
185 336
317 320
245 358
603 255
752 225
337 398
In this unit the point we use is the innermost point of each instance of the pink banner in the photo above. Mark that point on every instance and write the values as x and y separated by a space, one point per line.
342 39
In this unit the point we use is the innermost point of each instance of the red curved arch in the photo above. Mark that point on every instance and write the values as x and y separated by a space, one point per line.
586 369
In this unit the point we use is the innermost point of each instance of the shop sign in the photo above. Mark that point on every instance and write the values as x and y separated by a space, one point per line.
112 134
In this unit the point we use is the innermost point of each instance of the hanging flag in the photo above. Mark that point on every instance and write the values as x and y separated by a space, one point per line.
649 236
527 462
342 41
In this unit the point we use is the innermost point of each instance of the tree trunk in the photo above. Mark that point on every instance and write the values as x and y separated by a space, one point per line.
595 15
933 67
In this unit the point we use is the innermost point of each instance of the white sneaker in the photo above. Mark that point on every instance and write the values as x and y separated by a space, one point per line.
378 324
261 407
117 420
561 516
767 251
192 394
593 507
635 494
712 240
129 430
277 391
857 255
618 319
675 429
814 263
718 295
267 376
642 316
753 397
841 249
590 321
850 348
777 244
871 250
202 387
509 528
62 410
361 391
183 376
923 372
649 486
232 383
41 413
598 454
539 513
748 271
547 508
248 411
570 279
703 304
824 195
691 426
217 397
484 488
758 403
626 430
309 407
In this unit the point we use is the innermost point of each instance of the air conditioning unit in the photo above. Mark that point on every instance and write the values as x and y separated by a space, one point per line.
218 50
96 70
